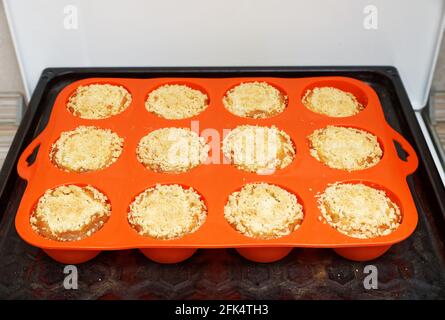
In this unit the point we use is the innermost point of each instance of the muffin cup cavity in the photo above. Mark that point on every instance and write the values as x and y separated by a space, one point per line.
172 150
82 149
91 206
150 209
240 203
342 85
236 101
323 147
258 149
157 103
388 195
87 101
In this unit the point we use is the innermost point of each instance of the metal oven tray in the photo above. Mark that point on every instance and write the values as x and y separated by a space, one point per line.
413 269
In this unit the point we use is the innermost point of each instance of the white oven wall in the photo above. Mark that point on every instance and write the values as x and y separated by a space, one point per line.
403 33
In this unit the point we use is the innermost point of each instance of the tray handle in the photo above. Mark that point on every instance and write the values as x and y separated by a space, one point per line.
410 164
24 169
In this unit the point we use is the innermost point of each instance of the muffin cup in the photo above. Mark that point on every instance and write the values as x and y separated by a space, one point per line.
168 255
362 254
72 256
264 254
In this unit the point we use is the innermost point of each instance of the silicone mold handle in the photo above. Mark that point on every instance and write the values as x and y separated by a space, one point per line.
411 163
23 168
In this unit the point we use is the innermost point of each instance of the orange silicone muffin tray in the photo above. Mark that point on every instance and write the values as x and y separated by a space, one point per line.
305 176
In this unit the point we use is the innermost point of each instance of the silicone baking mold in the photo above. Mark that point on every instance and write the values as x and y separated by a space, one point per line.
305 176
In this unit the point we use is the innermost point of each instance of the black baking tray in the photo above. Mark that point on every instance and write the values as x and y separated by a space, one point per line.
413 269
